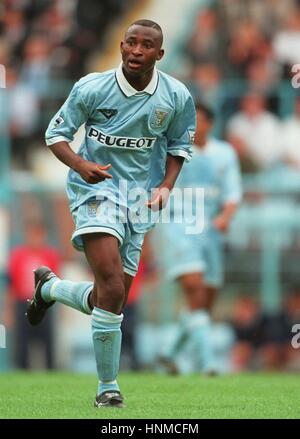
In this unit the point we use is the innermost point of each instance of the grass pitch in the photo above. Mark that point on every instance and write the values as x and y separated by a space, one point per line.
65 395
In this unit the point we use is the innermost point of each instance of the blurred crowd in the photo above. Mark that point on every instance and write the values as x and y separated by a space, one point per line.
240 57
238 60
263 341
42 41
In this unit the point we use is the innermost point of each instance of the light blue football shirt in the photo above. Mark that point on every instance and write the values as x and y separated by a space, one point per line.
133 130
215 168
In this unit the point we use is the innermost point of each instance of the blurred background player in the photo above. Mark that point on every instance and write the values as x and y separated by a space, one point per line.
195 260
138 124
23 259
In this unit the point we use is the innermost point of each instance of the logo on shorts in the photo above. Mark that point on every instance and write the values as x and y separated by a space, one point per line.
108 112
92 207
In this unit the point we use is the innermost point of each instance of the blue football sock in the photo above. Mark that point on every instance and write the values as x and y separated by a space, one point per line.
107 337
178 339
199 329
73 294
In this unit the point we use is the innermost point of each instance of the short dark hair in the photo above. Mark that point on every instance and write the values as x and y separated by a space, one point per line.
148 23
209 114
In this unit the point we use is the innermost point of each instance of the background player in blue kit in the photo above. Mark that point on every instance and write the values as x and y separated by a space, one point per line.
195 260
138 128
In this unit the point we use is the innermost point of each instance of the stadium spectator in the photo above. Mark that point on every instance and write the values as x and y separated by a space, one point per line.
23 115
262 78
273 340
247 44
245 322
286 41
263 339
47 40
22 261
204 44
36 67
255 134
206 83
290 135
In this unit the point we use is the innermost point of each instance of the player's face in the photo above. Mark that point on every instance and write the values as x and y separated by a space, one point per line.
141 49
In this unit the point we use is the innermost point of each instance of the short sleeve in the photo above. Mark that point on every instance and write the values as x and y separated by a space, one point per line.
181 132
68 119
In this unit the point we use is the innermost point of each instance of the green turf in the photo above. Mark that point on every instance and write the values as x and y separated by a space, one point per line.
66 395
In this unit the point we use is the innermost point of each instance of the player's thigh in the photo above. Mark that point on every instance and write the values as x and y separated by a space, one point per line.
103 255
96 216
192 281
194 290
128 282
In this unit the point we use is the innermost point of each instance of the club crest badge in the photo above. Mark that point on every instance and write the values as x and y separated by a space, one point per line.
92 207
159 118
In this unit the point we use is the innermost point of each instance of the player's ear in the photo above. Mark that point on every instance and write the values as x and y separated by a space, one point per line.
121 46
160 54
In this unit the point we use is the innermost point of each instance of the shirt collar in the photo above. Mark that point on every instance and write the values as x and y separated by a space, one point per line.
128 90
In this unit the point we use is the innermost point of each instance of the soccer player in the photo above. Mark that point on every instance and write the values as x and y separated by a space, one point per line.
195 260
138 128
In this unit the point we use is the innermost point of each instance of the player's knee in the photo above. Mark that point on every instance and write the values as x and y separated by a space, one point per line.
115 288
191 283
112 291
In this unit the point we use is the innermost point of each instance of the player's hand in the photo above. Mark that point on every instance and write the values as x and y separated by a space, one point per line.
92 172
222 223
159 199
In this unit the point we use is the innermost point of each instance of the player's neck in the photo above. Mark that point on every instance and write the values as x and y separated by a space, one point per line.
138 82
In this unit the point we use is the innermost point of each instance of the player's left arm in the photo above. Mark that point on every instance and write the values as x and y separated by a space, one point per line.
223 219
180 136
161 194
231 193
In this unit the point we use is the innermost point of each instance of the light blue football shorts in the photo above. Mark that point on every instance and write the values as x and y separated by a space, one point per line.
96 216
183 253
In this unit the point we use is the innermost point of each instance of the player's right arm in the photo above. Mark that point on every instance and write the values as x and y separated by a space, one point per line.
62 128
90 172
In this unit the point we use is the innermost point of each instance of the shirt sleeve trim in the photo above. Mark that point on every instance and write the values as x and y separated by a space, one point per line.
180 153
53 140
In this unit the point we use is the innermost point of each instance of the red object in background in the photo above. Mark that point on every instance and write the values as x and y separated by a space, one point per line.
23 260
136 287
